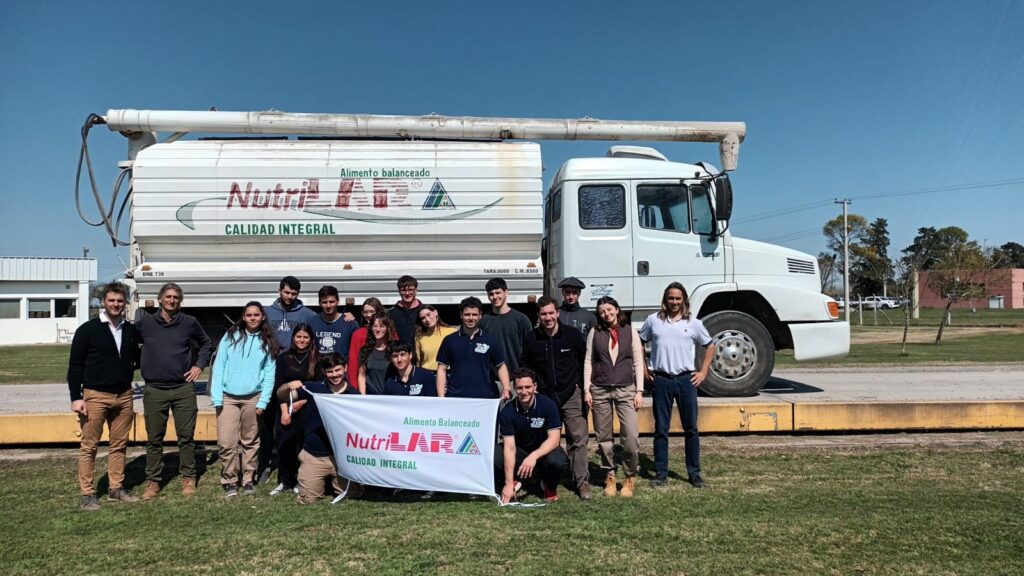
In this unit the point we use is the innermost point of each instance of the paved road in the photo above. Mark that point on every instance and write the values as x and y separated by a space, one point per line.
933 383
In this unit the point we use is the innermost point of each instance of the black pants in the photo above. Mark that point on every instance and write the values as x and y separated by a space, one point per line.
268 425
289 444
549 468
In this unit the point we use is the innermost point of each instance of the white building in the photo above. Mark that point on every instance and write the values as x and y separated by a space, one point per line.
43 300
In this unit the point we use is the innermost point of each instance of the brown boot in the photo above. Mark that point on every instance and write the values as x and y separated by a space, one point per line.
609 484
628 486
188 486
152 489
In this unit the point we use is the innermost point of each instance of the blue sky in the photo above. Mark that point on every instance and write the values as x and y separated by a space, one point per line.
861 100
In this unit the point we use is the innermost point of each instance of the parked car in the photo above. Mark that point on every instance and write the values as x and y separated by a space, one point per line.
882 302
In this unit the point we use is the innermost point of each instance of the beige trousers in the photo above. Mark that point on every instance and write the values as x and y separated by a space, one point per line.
314 471
116 411
620 401
238 434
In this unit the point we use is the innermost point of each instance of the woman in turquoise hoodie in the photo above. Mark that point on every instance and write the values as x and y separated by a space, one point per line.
240 388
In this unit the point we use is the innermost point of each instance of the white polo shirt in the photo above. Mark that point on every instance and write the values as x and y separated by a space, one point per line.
674 344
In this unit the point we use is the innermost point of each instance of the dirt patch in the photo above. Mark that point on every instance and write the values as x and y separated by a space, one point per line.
920 335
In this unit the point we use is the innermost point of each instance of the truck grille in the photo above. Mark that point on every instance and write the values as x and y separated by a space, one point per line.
800 266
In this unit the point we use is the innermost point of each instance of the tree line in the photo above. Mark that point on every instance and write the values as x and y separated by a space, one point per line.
874 271
957 266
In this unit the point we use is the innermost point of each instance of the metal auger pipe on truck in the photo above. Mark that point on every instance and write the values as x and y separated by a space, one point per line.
727 134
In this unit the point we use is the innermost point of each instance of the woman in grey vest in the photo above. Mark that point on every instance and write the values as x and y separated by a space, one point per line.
613 380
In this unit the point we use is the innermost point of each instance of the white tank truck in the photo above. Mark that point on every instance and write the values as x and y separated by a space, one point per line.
358 200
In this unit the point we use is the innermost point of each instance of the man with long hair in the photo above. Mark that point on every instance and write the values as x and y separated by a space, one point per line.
674 336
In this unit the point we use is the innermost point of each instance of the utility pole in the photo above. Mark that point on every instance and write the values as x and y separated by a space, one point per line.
846 256
85 252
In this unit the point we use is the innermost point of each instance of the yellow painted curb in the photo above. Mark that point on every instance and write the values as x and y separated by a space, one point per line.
951 415
753 417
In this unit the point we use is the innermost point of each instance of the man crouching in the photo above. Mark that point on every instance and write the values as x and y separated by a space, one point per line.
316 461
531 431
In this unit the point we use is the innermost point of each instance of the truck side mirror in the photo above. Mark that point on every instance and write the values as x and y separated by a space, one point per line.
723 197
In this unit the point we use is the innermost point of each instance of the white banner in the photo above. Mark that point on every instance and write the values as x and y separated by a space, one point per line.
442 444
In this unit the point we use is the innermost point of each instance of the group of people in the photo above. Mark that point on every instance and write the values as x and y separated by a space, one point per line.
273 359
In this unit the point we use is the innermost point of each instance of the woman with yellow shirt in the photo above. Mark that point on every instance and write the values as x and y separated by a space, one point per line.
430 331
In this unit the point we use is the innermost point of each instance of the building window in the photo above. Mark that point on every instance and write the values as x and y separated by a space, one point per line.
10 309
38 308
602 207
65 308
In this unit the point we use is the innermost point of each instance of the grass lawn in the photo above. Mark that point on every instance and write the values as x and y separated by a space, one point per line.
882 346
932 317
33 364
936 510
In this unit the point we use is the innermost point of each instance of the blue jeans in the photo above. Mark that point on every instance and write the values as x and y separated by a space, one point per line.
667 391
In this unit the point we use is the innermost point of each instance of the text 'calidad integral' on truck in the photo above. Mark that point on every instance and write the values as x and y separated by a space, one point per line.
358 200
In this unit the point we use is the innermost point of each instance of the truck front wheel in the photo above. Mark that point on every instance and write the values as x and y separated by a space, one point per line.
744 355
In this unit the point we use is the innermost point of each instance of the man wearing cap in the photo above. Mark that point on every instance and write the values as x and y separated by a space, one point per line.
570 312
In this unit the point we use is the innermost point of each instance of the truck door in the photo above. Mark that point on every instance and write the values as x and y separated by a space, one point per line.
672 226
595 224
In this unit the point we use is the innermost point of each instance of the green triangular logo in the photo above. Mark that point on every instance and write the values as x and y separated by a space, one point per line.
438 198
468 446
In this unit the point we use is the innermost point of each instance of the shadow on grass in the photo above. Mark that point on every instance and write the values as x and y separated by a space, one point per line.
135 469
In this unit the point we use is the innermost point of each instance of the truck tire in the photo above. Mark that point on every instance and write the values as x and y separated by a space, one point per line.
744 355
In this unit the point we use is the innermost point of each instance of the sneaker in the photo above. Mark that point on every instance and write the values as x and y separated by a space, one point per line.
90 502
428 495
188 486
277 490
696 481
295 489
584 492
248 490
628 485
659 481
152 489
264 476
121 495
230 490
550 493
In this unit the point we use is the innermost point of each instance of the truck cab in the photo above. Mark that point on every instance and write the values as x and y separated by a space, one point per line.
630 223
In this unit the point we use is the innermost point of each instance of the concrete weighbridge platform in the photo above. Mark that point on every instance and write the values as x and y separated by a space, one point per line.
795 400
